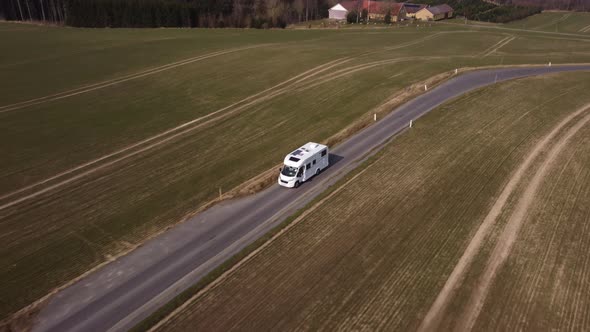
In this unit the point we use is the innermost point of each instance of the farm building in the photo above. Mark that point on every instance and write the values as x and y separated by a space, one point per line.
413 8
376 9
397 11
337 12
435 13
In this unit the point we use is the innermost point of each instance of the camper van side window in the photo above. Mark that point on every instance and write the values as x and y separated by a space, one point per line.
308 166
313 162
324 153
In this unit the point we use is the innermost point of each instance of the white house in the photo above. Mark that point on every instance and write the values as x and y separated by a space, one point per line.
338 12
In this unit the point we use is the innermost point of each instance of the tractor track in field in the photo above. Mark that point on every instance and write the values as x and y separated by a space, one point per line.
510 233
296 83
364 66
437 310
108 83
476 26
166 136
492 49
157 140
562 18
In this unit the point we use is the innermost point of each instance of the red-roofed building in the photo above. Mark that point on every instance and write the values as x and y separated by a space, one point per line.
377 9
413 8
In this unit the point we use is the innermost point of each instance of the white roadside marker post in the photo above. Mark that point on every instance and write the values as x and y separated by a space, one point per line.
411 122
219 193
425 87
549 63
456 70
375 117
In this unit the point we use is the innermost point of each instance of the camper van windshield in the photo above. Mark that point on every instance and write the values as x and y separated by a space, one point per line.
289 171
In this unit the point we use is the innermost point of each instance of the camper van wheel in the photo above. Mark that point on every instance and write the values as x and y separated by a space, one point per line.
296 184
317 171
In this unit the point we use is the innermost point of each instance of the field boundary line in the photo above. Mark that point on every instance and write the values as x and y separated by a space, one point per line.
258 250
510 233
107 83
298 79
434 315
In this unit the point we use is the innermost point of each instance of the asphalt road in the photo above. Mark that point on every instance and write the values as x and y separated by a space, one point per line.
124 292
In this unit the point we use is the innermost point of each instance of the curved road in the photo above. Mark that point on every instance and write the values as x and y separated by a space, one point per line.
124 292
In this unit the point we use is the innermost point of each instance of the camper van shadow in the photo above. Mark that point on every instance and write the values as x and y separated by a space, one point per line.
333 160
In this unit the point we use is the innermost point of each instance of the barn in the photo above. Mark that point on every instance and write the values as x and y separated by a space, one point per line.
337 12
435 13
413 8
398 12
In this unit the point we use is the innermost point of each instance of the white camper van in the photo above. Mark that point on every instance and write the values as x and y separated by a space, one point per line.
302 164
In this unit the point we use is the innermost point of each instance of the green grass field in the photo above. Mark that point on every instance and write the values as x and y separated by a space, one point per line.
377 252
553 22
569 22
109 136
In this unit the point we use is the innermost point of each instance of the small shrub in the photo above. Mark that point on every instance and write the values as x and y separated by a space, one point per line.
351 17
388 17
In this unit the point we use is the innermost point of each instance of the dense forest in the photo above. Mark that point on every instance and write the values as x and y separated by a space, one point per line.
50 11
577 5
166 13
234 13
504 14
480 10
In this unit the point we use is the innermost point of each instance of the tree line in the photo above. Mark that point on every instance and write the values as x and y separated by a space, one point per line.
575 5
166 13
479 10
234 13
504 14
50 11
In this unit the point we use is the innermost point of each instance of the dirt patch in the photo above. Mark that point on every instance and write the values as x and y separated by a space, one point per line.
510 232
432 319
21 322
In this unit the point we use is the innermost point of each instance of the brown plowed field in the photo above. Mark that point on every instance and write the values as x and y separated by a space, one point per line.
378 252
